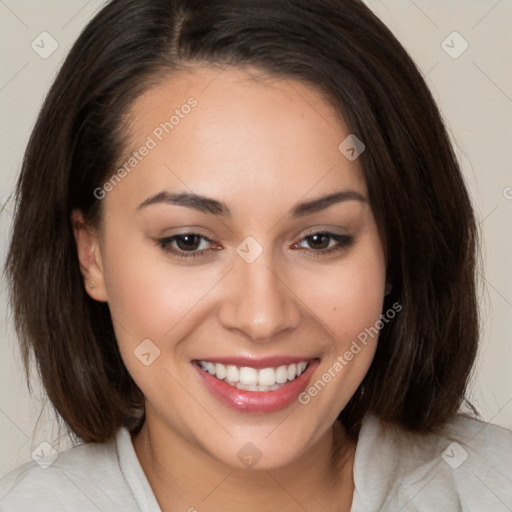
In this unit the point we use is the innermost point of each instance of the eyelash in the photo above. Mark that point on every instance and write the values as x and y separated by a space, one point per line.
343 242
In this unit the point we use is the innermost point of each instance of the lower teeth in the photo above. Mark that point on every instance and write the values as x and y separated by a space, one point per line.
246 387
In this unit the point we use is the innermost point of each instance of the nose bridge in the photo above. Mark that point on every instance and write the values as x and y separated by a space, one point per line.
258 302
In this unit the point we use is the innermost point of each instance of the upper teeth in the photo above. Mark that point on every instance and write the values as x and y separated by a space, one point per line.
248 376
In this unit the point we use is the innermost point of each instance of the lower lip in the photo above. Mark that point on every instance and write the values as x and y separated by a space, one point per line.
258 401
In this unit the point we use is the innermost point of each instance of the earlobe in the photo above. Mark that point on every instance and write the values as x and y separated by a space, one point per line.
89 256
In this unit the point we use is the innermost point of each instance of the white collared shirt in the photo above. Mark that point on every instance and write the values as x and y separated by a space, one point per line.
468 468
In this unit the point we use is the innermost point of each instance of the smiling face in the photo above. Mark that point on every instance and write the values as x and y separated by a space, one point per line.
216 252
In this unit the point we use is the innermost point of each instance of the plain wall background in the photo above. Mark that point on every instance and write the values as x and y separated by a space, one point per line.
473 90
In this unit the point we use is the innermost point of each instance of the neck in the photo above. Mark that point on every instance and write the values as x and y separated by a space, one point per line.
183 477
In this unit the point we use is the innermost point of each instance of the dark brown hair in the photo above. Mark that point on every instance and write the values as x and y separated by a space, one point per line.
424 357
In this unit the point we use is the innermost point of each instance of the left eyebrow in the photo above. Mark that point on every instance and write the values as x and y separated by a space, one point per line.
214 207
317 205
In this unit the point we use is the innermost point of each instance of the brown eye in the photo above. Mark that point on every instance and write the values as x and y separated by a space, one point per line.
188 242
320 243
319 240
186 245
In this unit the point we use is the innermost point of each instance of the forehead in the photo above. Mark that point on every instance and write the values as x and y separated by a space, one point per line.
214 130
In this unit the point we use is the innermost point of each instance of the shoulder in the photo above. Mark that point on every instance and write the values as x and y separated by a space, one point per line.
85 477
466 466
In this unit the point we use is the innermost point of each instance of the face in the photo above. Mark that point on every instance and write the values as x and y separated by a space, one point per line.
217 255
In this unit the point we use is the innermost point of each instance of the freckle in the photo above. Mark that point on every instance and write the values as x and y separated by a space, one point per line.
334 308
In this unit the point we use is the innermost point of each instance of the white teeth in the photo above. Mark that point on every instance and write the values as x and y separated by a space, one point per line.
256 388
252 379
248 376
232 374
247 387
267 377
281 375
300 368
220 371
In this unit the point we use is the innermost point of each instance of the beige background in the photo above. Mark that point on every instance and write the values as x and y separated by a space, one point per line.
474 91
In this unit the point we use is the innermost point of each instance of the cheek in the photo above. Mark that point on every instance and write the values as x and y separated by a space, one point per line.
148 292
347 297
348 303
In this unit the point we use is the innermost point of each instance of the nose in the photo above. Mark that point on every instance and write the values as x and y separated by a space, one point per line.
258 302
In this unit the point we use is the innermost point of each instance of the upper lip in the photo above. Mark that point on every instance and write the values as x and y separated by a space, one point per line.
265 362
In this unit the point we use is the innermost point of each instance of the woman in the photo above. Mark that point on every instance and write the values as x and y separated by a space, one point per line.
311 349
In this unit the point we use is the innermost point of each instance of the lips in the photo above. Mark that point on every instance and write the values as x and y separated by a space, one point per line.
264 385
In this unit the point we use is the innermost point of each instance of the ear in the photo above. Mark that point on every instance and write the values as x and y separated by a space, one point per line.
89 256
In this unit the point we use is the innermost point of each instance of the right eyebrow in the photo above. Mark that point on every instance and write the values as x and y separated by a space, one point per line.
197 202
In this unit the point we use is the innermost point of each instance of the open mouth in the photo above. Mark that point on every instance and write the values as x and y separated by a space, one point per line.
264 389
253 379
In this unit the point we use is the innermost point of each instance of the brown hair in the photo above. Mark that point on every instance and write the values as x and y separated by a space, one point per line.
424 356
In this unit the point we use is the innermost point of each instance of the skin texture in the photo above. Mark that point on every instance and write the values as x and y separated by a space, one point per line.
261 146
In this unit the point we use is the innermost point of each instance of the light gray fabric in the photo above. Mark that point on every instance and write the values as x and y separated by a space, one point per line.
467 468
90 477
